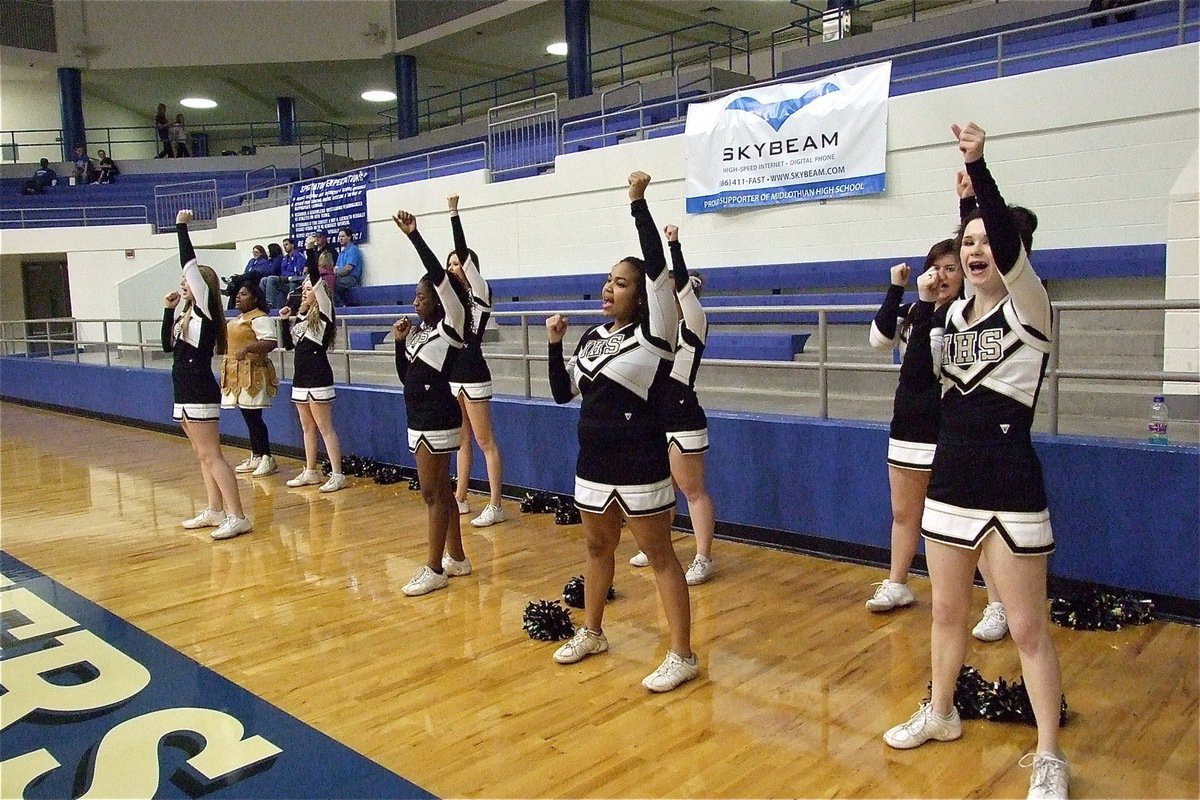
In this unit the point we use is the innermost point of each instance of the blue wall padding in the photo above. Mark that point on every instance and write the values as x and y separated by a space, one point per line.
1124 513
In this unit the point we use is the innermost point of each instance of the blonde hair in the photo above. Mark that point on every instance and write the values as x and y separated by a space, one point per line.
215 312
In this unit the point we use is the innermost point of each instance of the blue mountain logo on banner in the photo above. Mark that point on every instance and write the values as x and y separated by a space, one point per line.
776 114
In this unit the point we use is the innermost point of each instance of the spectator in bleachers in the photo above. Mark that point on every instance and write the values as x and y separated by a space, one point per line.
85 170
316 246
291 275
179 137
108 168
257 268
348 269
43 176
275 253
162 126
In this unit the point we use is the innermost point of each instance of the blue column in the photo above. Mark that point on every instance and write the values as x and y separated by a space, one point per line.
70 92
285 110
407 118
579 47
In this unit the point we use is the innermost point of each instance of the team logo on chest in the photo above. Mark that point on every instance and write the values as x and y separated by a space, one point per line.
599 348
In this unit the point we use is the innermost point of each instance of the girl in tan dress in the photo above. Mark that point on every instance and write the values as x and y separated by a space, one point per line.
248 380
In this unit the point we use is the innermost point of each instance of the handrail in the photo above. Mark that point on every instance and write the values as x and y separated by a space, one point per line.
98 215
15 334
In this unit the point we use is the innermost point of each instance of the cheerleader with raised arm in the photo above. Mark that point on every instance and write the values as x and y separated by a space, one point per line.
193 329
682 416
425 355
623 470
986 493
248 380
310 332
470 378
916 413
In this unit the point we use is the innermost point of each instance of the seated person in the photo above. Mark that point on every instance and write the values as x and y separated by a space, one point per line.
349 266
43 176
257 268
317 245
108 168
277 288
85 170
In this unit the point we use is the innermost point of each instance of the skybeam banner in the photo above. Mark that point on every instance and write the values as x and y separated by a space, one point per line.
790 143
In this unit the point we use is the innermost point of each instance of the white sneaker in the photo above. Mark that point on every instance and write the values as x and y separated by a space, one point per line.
993 626
266 466
205 519
249 465
424 582
336 481
699 571
583 644
1050 776
673 671
890 595
455 569
231 527
923 726
640 560
463 506
490 516
309 477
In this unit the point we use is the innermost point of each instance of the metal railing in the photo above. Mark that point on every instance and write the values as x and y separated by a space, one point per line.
523 135
52 216
199 196
60 339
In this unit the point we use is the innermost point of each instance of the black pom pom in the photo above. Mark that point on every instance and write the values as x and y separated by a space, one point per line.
388 473
325 467
573 592
565 512
1093 609
414 484
548 621
537 503
977 698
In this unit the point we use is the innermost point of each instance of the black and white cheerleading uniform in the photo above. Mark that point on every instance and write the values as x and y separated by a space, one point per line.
679 407
622 446
311 335
986 476
424 363
916 409
191 335
469 374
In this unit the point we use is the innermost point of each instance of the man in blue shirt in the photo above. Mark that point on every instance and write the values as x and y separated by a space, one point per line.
291 275
348 270
43 177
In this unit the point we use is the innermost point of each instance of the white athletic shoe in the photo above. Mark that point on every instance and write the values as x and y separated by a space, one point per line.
1050 776
890 595
455 569
993 626
266 466
923 726
309 477
463 507
231 527
249 465
205 519
673 671
699 571
489 516
336 481
640 560
583 644
424 582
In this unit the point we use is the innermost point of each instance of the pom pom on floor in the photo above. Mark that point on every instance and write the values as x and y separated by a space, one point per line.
573 592
977 698
1094 609
548 621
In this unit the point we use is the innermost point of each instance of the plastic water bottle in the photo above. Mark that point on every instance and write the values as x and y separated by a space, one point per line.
1158 420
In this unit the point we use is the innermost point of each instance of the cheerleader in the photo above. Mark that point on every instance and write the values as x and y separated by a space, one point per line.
986 492
682 416
311 332
424 358
248 380
623 469
192 336
916 412
470 378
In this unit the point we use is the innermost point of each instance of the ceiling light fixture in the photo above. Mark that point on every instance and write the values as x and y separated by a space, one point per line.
198 102
557 49
378 96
